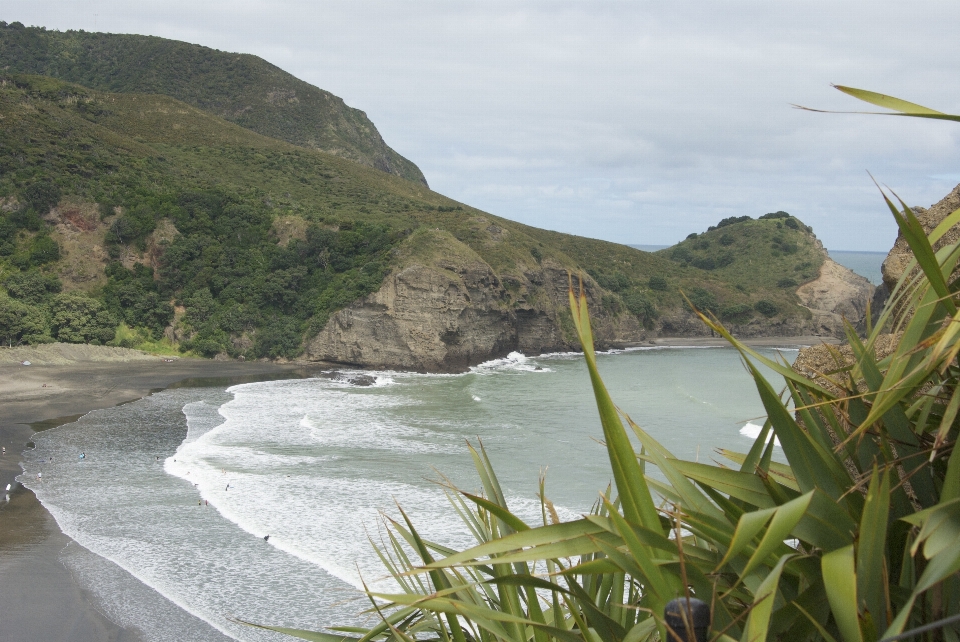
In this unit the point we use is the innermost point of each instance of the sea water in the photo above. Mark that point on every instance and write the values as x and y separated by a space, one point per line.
173 501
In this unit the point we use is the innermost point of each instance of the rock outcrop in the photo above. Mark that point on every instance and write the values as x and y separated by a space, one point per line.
444 309
449 310
900 255
816 360
837 294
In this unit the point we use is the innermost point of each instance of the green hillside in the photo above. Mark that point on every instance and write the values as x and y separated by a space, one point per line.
143 211
239 88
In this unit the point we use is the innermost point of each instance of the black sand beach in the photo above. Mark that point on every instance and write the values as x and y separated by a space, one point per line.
39 599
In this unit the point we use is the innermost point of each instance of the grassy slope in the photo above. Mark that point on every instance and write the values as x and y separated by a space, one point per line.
113 147
240 88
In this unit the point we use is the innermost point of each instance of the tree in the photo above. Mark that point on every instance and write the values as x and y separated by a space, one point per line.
22 323
79 319
32 287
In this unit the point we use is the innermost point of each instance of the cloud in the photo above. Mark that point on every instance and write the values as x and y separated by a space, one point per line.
568 115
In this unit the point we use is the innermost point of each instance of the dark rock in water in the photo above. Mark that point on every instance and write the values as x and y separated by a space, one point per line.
355 380
362 380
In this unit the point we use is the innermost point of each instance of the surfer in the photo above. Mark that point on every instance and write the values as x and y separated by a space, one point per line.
83 455
266 537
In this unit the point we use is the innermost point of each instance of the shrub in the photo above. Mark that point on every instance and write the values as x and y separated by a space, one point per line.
724 259
658 283
616 282
792 223
727 239
536 254
41 196
732 220
32 287
692 235
775 215
43 250
737 313
786 283
611 303
704 263
681 255
766 308
642 308
703 300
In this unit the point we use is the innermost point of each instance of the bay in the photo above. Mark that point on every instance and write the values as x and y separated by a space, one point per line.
175 493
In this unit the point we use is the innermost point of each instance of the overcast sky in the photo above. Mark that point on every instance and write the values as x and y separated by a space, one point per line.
635 122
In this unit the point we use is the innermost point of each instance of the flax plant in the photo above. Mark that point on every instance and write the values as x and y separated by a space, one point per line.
855 539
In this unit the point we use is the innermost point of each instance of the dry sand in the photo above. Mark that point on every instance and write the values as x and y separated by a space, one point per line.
39 598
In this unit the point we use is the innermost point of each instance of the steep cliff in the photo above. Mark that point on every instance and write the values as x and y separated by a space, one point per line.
900 255
444 309
837 294
168 221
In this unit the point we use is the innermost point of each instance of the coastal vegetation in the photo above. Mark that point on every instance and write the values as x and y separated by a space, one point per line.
239 88
198 234
856 538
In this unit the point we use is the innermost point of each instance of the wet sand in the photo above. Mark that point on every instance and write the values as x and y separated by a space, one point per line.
39 598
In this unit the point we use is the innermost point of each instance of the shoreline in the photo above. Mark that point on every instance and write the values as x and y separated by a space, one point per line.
45 602
64 383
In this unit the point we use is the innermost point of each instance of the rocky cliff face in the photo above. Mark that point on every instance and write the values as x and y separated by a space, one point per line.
447 312
818 359
445 309
900 255
837 294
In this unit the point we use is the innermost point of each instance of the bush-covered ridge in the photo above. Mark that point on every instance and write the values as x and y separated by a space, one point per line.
240 88
179 223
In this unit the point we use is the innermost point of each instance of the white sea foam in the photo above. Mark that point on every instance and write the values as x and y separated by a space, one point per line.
313 462
752 431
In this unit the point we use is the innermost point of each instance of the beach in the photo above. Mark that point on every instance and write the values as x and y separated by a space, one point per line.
44 601
39 598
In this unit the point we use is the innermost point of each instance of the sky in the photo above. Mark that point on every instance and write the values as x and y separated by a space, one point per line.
630 121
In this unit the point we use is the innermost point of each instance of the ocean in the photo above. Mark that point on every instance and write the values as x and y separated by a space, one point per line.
174 494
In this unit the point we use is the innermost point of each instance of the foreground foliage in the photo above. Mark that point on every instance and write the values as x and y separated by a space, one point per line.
856 538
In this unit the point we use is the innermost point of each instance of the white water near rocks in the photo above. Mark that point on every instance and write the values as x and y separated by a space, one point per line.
178 490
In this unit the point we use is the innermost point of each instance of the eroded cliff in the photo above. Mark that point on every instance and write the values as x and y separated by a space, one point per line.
444 309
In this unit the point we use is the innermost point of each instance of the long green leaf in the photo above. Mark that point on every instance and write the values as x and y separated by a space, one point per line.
758 622
871 547
634 494
887 102
840 581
